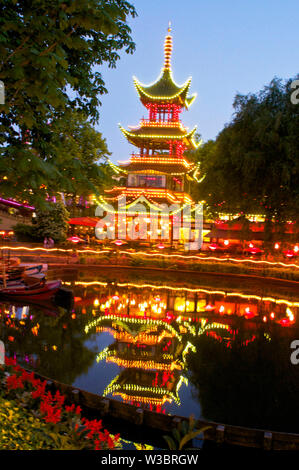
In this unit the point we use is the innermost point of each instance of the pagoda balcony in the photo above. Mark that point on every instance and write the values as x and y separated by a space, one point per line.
164 159
157 123
176 158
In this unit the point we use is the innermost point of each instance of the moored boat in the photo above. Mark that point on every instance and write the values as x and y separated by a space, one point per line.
39 290
18 273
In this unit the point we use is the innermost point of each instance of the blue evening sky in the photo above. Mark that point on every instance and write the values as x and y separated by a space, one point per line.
227 46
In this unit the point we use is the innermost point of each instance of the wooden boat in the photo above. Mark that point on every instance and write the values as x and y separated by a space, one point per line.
35 290
34 268
14 273
17 273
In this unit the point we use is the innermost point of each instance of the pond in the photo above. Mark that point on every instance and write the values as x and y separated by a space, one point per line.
212 346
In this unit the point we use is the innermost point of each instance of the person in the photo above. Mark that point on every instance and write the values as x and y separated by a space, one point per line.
46 242
51 242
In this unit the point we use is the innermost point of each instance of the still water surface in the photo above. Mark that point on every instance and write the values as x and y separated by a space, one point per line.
213 347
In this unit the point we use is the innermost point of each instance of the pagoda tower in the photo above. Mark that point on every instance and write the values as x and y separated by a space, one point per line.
158 173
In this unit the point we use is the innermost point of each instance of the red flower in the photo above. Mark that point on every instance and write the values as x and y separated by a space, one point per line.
70 409
9 361
39 391
53 415
13 382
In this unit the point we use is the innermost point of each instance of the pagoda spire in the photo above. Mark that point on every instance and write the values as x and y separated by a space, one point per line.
167 49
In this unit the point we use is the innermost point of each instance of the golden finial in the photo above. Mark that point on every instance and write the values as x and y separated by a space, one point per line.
167 48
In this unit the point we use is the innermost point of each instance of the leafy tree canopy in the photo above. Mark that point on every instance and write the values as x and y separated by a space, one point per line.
51 223
50 56
253 165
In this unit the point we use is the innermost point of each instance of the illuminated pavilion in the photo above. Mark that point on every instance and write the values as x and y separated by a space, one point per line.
159 173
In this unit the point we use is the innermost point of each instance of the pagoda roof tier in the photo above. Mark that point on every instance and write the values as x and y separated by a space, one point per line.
158 165
159 137
165 91
152 195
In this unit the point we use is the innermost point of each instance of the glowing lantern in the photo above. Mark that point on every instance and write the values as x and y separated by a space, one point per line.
284 322
96 302
248 313
75 239
210 307
289 253
213 246
276 246
119 242
226 242
290 314
272 315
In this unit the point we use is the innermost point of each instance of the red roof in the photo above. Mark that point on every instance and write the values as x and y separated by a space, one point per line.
84 221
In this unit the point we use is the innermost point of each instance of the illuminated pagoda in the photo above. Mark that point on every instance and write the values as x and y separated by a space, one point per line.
158 174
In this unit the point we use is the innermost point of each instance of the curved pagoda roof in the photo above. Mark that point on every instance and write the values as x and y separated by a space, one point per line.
158 168
159 137
164 90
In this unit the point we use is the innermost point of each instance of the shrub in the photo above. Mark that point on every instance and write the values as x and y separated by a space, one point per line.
24 232
52 222
34 418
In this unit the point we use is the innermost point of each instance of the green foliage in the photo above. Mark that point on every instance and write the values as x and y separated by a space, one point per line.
80 155
24 232
21 430
253 165
50 55
33 418
185 432
51 222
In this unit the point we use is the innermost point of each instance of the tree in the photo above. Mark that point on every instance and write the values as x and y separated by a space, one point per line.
50 56
51 223
253 165
81 155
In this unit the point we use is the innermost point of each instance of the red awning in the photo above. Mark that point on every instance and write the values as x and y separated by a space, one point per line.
84 221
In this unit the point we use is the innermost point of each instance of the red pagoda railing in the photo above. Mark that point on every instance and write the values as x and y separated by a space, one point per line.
157 123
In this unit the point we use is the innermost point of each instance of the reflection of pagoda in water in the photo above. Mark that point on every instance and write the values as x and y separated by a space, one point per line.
148 350
155 326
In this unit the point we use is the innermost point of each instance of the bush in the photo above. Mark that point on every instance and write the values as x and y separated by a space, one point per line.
24 233
51 223
33 418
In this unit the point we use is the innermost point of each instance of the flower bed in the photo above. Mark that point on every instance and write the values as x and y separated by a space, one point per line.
33 418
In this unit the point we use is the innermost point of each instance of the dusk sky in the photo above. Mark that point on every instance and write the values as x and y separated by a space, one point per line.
227 46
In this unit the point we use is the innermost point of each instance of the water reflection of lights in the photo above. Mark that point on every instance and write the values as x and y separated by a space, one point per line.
127 319
116 388
192 290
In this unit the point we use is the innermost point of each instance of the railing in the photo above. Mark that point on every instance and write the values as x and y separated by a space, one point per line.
176 158
151 122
